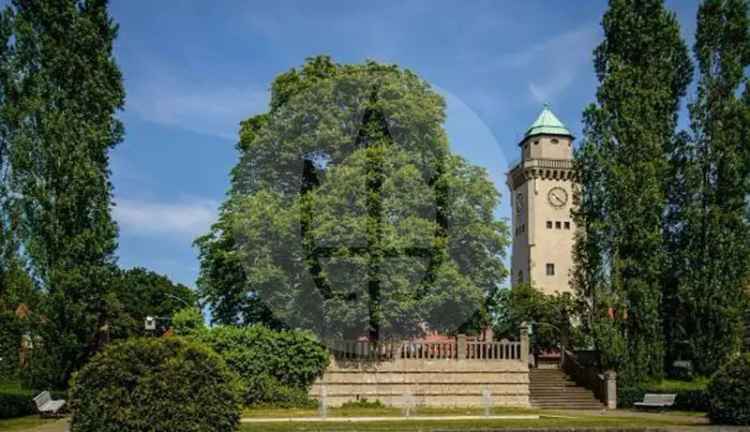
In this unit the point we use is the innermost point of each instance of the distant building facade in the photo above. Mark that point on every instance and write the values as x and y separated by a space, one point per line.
541 187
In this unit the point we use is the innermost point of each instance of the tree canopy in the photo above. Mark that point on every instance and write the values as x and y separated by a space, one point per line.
349 215
643 67
60 90
707 230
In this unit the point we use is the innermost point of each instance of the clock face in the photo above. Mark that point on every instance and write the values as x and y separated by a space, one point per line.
557 197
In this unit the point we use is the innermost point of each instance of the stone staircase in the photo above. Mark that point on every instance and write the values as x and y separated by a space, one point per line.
552 388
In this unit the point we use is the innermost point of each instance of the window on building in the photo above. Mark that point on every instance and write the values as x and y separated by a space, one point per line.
550 269
555 141
549 224
567 225
536 142
520 276
558 225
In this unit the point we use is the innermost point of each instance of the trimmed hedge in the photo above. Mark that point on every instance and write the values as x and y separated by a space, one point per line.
276 367
156 385
18 402
729 393
15 404
266 391
691 396
10 343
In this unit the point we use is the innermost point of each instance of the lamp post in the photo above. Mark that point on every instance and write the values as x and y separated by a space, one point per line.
180 299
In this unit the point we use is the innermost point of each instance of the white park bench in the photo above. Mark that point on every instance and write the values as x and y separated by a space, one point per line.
657 401
46 406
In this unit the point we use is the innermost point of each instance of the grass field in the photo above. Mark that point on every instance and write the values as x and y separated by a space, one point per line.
22 423
549 419
587 421
380 412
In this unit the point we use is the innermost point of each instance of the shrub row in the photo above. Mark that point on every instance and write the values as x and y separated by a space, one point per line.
688 399
276 367
155 384
15 404
10 343
729 393
19 403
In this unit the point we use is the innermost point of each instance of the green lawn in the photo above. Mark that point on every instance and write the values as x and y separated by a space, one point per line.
380 412
21 423
668 385
583 420
549 418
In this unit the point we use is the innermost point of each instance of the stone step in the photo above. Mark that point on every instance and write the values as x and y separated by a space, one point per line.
553 388
571 392
581 398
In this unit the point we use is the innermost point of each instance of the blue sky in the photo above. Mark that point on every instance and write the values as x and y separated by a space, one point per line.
193 70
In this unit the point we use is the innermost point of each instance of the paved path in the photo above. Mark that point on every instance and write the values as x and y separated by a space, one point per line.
55 426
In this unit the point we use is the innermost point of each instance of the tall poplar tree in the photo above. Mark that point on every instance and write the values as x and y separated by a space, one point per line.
643 69
708 232
61 90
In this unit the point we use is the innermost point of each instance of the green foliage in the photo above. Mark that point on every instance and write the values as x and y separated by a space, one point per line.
274 366
10 344
16 401
348 215
155 384
61 89
15 404
550 316
138 293
729 393
707 229
188 321
622 165
363 403
691 395
266 391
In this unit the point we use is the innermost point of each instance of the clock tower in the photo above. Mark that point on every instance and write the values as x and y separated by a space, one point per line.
541 187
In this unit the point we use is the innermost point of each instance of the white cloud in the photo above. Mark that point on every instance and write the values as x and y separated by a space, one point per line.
185 219
167 96
554 64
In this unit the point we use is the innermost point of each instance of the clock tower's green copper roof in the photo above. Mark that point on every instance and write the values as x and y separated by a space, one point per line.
547 123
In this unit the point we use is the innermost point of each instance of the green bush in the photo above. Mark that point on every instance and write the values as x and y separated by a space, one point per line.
267 391
155 385
10 343
15 404
187 321
729 393
691 395
18 402
363 403
276 367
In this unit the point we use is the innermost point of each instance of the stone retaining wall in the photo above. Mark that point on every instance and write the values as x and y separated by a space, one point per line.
441 382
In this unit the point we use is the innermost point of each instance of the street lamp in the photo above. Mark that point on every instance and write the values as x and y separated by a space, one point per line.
182 300
150 323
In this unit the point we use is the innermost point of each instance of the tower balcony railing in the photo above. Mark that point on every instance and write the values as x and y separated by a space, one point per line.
544 164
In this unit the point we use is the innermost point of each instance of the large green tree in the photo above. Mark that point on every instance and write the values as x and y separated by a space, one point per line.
138 293
61 90
643 69
348 214
709 236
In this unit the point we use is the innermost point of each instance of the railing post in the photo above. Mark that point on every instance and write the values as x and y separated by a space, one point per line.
610 380
461 346
525 343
